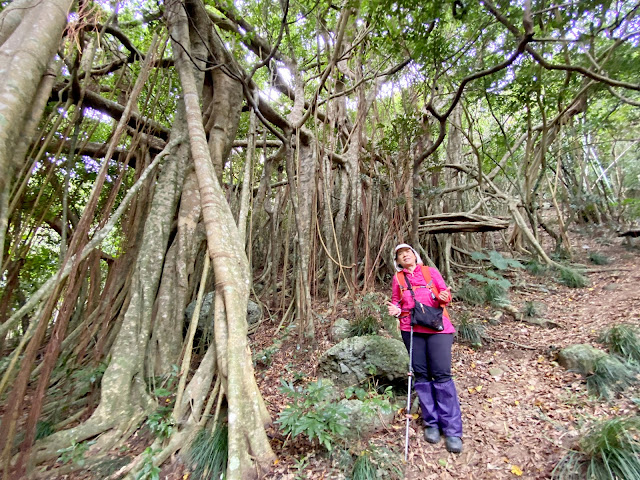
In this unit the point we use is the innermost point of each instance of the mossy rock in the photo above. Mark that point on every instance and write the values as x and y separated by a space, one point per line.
340 329
356 359
366 418
580 358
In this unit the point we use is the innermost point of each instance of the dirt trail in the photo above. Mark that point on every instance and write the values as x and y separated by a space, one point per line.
521 411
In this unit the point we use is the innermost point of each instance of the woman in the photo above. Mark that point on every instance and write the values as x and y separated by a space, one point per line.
431 349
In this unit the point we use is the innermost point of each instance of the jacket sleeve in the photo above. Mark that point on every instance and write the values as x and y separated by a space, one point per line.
439 283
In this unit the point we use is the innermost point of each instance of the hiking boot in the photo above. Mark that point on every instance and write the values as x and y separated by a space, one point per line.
432 434
453 444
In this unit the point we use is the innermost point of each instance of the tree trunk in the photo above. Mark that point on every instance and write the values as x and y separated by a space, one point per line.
248 444
30 32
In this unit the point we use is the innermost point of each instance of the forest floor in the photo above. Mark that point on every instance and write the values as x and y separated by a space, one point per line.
521 410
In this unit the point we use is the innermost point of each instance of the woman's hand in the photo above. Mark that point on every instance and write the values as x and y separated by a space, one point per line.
394 310
444 296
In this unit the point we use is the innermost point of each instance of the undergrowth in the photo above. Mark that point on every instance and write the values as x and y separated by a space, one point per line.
365 325
611 375
369 310
496 294
312 414
536 268
530 309
471 332
375 463
598 259
208 453
623 340
470 294
609 451
572 278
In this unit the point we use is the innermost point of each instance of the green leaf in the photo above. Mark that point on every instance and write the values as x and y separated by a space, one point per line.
498 260
478 277
479 256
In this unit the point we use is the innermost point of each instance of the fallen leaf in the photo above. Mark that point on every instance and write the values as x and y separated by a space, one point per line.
515 469
442 462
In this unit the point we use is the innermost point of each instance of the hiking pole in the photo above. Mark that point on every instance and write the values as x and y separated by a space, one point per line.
408 410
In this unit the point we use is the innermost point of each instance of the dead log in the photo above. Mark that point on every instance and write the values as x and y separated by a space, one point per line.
461 222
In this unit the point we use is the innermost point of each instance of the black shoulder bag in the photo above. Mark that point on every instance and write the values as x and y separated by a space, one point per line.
423 315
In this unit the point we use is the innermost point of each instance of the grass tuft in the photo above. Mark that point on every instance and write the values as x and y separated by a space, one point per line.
208 453
471 332
377 462
572 278
611 375
44 428
495 294
609 451
365 325
364 468
598 259
470 294
530 309
536 268
623 340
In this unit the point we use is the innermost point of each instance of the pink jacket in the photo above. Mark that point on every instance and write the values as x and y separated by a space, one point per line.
403 299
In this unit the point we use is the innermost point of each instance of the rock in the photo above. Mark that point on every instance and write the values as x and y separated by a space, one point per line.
495 372
253 311
355 359
580 358
340 329
496 317
391 325
254 314
365 418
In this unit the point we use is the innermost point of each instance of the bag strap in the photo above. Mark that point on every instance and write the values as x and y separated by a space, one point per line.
426 273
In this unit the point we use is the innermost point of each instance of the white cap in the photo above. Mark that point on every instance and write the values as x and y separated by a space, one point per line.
404 245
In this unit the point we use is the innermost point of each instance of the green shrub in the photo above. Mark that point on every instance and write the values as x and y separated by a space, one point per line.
495 294
623 340
149 471
369 311
572 278
471 332
560 254
530 309
312 414
161 422
265 357
368 325
611 375
470 294
74 453
536 268
364 468
375 463
208 453
495 288
598 259
609 451
497 260
43 429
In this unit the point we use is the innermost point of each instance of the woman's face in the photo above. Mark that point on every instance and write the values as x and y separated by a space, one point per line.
405 257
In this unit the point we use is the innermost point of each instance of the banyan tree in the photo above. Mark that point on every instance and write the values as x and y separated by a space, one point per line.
154 153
